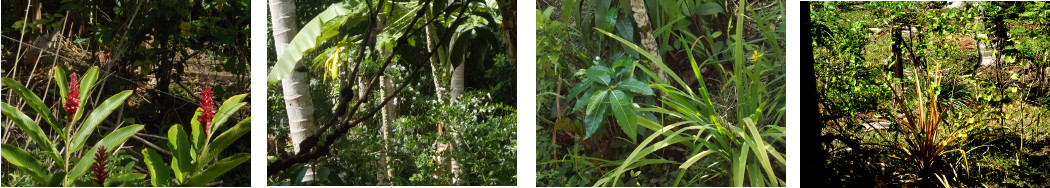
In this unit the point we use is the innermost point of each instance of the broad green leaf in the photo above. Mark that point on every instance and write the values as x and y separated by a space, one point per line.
86 82
599 74
56 179
216 170
307 38
228 108
159 173
38 105
123 179
61 78
25 162
624 113
114 139
212 149
636 86
593 121
709 8
580 103
32 130
100 113
181 151
653 61
196 135
592 103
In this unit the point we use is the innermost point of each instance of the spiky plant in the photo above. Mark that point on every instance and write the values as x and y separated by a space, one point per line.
98 168
928 138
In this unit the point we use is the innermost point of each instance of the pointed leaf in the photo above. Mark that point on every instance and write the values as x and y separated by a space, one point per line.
86 82
212 149
25 162
110 141
216 170
159 173
228 108
636 86
196 135
599 74
181 151
38 105
32 130
100 113
123 179
594 120
307 39
709 8
622 109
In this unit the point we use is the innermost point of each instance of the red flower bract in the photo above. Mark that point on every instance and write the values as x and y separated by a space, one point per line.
72 98
207 108
98 169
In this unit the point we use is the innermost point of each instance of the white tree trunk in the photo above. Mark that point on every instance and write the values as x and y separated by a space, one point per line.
457 91
389 113
299 102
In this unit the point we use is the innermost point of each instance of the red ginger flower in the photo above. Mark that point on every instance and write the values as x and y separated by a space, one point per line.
98 169
72 98
207 108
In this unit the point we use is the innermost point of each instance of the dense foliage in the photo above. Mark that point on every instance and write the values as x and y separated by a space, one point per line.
703 107
932 93
348 44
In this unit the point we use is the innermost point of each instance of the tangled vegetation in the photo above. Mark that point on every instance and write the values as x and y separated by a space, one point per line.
405 93
929 94
648 93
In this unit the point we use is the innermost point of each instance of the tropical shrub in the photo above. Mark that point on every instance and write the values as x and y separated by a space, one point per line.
72 161
194 155
722 125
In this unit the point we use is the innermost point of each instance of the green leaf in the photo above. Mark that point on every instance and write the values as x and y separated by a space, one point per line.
100 113
196 135
56 179
593 119
709 8
32 130
624 113
580 103
25 162
86 82
181 151
114 139
739 163
212 149
216 170
600 74
636 86
60 76
123 179
227 109
695 158
307 38
37 104
159 173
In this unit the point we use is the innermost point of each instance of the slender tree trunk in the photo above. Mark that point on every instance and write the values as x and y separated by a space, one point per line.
389 112
457 87
641 17
299 102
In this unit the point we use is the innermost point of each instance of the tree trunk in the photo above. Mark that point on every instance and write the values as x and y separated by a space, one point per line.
299 102
389 112
457 87
641 17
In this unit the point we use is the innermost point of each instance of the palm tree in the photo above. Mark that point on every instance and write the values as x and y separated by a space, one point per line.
299 102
